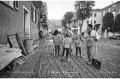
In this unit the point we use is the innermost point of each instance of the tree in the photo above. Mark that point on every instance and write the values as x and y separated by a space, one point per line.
68 17
117 23
63 23
108 22
83 9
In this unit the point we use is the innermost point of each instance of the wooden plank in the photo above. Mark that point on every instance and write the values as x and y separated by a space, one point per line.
79 69
62 69
85 69
21 44
20 60
89 68
99 73
55 70
13 41
106 73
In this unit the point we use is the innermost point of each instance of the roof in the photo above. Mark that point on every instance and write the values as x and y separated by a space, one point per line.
96 9
111 5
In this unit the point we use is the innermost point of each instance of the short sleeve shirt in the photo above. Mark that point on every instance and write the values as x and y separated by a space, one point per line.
77 40
90 41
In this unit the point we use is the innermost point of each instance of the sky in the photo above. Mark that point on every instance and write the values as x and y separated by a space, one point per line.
57 8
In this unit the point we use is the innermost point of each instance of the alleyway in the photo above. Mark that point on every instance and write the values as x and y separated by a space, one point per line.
43 64
22 23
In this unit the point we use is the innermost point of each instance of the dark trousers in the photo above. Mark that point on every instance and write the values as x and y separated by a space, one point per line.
89 52
78 49
57 49
67 52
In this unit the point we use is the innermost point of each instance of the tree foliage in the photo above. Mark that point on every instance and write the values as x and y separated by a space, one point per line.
117 23
83 9
108 22
68 17
63 22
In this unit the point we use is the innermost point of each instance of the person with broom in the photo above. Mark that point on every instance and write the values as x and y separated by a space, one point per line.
91 37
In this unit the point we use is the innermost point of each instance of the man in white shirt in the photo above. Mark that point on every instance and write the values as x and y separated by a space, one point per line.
91 37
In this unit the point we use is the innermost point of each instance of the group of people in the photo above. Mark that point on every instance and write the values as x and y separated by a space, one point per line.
66 41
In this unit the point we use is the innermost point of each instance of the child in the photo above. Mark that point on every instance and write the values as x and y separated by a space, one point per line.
91 37
67 42
77 41
57 41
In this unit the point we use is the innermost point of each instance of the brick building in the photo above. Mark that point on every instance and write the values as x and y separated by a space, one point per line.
19 16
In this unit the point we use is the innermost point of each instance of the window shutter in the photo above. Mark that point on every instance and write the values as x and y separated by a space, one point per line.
16 5
16 2
35 15
31 13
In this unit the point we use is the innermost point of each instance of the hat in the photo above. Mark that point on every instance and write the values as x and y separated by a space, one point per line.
66 35
55 32
90 25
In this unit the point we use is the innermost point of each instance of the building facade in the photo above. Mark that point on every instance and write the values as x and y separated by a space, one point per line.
114 8
44 16
95 18
19 17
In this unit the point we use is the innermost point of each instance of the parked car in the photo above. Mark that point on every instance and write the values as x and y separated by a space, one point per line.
117 37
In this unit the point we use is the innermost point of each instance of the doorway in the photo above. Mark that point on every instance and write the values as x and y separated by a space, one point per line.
26 17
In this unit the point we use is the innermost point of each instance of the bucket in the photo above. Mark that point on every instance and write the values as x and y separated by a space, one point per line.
29 45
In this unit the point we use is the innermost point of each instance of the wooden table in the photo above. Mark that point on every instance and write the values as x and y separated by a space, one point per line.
7 55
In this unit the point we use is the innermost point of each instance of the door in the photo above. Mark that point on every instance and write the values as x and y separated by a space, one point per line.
26 23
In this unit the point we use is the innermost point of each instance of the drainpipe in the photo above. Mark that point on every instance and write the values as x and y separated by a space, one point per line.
38 22
39 8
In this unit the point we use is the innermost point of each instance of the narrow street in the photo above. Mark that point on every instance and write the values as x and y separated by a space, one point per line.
43 64
29 28
108 52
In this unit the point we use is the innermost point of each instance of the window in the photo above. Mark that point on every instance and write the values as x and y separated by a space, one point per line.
87 21
16 5
94 22
91 21
119 10
12 4
91 14
103 12
37 16
33 13
94 14
109 9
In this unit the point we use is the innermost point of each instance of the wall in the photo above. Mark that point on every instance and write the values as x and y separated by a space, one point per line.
11 21
117 9
98 20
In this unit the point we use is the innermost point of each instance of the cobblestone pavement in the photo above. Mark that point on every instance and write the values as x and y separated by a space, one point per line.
49 66
108 52
50 69
43 63
26 70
